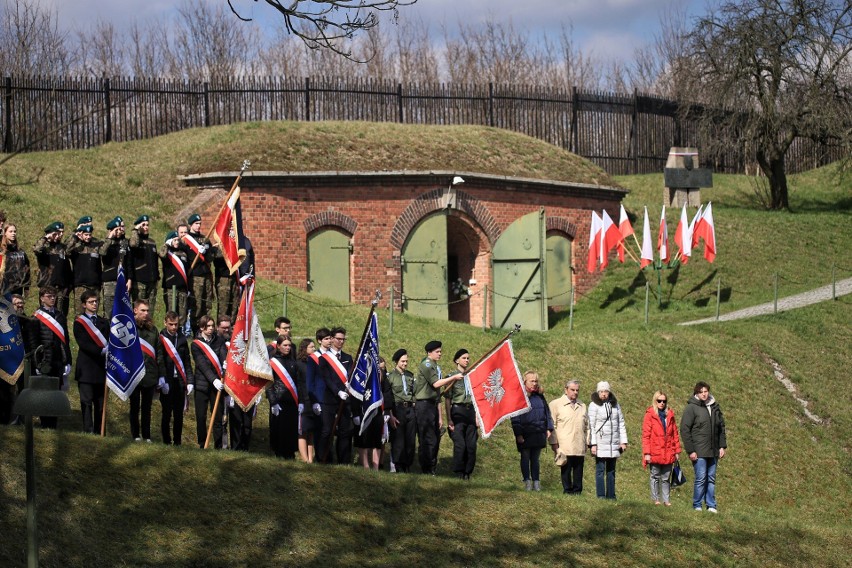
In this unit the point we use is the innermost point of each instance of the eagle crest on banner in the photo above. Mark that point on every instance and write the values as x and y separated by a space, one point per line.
240 350
494 390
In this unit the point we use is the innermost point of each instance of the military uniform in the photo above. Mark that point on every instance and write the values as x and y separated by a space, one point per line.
113 252
464 434
226 286
54 267
403 436
175 275
426 411
86 261
200 279
146 268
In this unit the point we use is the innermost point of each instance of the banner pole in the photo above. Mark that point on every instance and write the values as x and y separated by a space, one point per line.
212 419
516 329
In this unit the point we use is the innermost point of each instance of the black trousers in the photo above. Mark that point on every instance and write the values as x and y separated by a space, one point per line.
92 405
345 431
572 475
204 402
427 434
240 423
464 438
173 404
140 403
403 437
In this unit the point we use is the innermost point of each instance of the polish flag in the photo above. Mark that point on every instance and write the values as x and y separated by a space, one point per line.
610 238
663 238
683 237
696 221
707 231
594 242
647 247
626 229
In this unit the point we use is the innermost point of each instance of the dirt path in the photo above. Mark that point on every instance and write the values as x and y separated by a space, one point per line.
842 288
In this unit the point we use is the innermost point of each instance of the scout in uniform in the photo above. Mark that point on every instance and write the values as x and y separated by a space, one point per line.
195 245
403 422
146 267
427 384
461 420
86 262
54 268
175 276
114 252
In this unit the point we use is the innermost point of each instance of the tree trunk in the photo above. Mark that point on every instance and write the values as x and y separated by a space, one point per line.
775 169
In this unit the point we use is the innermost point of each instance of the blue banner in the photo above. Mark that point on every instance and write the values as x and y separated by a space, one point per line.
11 342
366 383
125 366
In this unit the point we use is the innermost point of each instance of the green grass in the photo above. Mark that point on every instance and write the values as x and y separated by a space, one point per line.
784 488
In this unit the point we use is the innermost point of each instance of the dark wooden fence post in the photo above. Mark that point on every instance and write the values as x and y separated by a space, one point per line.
491 104
399 101
206 103
634 131
308 99
575 139
7 105
108 106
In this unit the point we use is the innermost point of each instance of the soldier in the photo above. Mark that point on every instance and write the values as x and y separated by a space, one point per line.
51 332
403 423
86 261
226 285
91 333
461 420
54 268
427 384
196 247
146 268
175 275
15 275
173 361
114 251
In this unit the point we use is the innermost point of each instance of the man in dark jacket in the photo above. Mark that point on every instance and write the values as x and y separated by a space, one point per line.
173 361
143 395
209 353
50 331
333 369
92 335
702 433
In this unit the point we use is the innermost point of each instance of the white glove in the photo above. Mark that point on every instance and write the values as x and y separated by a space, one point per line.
165 388
387 417
104 351
189 389
276 410
356 420
67 371
316 408
343 395
217 384
205 248
301 408
38 372
161 383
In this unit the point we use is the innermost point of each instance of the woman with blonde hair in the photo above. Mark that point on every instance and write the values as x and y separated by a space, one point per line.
532 430
660 446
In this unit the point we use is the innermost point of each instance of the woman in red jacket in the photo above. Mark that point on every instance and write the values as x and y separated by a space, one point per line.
660 445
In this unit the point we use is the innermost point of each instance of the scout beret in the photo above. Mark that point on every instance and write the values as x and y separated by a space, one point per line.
85 229
87 220
398 355
432 345
459 353
141 219
53 227
115 222
195 217
171 235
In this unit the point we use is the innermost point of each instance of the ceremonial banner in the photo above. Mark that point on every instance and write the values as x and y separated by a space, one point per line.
246 376
11 342
228 232
498 388
125 365
366 383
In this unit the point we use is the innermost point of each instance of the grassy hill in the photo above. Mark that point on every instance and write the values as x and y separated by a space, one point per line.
784 489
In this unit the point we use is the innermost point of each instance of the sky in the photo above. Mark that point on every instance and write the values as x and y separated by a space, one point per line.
610 29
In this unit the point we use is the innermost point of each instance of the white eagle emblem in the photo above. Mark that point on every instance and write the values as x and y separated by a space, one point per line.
493 388
239 353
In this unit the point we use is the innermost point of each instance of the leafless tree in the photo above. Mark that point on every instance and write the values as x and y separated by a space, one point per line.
416 55
31 41
101 51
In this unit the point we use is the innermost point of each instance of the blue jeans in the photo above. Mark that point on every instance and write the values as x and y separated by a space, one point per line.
605 477
705 482
530 463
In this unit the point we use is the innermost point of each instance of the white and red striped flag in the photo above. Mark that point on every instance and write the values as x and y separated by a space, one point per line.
663 238
594 242
647 246
610 237
706 230
626 229
683 237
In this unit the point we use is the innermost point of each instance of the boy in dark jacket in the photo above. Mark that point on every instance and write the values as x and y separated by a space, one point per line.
702 432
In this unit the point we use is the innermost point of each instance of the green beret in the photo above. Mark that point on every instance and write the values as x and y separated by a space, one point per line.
141 219
87 220
171 235
194 218
85 229
115 222
53 227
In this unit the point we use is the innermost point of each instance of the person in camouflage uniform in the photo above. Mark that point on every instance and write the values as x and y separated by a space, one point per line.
175 275
146 268
196 245
86 261
226 286
114 252
54 268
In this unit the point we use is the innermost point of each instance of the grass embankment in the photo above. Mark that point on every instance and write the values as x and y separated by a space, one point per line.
784 489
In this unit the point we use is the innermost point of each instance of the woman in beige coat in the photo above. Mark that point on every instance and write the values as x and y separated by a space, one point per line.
571 427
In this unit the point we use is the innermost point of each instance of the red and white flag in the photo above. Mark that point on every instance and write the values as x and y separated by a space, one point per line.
696 221
498 388
647 246
663 238
610 238
707 231
626 229
247 373
228 232
594 242
683 237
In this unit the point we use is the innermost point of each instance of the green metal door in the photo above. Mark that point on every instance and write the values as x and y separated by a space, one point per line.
424 269
558 270
328 264
518 262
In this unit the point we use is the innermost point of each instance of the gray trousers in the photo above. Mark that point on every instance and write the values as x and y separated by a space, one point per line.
660 481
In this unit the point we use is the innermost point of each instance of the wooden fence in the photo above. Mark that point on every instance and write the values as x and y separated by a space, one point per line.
622 133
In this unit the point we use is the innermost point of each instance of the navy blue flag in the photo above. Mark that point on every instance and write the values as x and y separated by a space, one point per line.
125 366
11 342
366 382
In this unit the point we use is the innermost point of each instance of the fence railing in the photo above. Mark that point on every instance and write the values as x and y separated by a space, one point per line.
622 133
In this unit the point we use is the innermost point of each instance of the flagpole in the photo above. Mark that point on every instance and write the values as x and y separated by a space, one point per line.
340 407
212 419
244 167
515 330
104 410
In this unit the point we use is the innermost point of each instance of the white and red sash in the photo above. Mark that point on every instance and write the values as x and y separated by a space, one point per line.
178 264
211 355
147 348
93 331
52 324
315 356
195 246
281 372
174 356
336 366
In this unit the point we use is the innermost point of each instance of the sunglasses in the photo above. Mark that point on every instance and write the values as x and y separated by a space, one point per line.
662 400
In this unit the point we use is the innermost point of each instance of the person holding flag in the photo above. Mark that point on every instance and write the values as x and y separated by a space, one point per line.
173 361
402 421
91 332
175 276
142 396
427 384
284 395
208 353
196 247
461 419
368 384
334 368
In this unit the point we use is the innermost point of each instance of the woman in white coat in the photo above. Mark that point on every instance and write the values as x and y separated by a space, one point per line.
607 438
